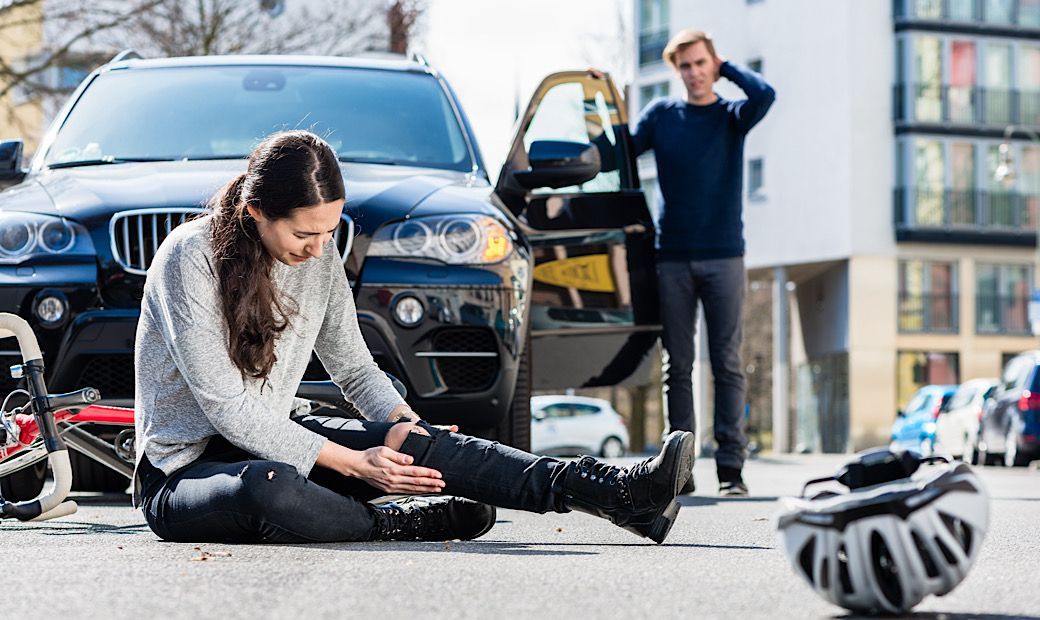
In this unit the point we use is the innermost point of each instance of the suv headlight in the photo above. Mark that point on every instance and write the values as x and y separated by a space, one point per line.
453 239
28 235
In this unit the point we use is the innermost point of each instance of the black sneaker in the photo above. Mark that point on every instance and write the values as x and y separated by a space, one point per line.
733 488
432 518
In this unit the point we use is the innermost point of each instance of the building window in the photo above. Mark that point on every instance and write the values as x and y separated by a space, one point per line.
653 30
927 297
756 178
649 92
916 369
1002 298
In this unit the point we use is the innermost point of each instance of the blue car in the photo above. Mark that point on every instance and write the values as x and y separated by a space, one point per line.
915 426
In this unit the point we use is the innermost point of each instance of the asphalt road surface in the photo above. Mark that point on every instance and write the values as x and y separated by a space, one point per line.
720 561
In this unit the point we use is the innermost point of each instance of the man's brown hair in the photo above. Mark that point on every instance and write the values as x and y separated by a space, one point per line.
682 40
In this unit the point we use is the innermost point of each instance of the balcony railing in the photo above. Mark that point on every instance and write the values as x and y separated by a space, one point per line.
651 46
999 13
1002 314
934 313
965 105
967 210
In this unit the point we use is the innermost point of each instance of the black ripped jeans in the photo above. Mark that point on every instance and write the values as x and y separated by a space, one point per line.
230 495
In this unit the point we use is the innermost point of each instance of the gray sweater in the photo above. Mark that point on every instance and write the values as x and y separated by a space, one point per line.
188 390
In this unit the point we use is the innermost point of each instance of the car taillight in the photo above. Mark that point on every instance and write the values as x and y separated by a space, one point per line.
935 411
1028 401
981 411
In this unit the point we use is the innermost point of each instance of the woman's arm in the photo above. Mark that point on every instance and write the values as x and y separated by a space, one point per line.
381 467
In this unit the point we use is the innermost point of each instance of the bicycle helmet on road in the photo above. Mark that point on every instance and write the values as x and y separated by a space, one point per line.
891 539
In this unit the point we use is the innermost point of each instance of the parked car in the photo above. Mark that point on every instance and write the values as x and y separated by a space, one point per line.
1010 426
957 429
914 427
470 293
569 425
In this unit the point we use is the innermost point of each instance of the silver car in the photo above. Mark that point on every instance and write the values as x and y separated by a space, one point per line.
957 429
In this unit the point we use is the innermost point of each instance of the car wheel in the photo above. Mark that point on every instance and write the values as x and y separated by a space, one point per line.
24 484
1013 457
515 429
971 451
89 475
612 448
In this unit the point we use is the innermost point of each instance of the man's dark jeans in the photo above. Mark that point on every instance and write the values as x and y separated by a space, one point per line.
719 285
230 495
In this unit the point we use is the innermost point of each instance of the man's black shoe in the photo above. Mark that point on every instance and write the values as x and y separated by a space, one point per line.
735 488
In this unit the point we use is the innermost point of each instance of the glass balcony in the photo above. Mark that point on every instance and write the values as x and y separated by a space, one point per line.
1009 214
928 313
996 13
1002 314
965 105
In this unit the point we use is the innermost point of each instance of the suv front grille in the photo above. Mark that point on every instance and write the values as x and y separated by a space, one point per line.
136 235
112 375
467 373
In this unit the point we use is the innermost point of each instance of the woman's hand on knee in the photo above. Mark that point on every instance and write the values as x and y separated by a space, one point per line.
393 472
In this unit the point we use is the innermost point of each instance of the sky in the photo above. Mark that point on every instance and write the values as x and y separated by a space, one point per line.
491 51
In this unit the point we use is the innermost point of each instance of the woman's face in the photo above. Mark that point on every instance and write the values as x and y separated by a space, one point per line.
302 236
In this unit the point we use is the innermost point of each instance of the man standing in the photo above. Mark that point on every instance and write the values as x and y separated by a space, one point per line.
698 142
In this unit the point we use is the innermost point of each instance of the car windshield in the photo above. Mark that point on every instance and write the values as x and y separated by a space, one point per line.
222 112
920 402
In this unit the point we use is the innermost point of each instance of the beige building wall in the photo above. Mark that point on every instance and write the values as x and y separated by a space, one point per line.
21 35
874 338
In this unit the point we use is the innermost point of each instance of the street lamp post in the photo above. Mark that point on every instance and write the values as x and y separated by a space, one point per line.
1005 175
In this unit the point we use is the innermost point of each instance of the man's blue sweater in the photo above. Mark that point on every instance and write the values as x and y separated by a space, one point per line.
700 162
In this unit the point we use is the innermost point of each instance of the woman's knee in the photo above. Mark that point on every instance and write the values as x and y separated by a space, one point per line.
399 432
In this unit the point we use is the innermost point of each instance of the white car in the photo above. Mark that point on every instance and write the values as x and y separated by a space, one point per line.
569 425
957 428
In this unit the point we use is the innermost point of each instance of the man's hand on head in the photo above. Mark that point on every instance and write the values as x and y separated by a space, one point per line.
718 66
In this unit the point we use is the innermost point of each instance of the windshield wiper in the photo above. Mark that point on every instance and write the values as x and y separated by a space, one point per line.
386 161
104 161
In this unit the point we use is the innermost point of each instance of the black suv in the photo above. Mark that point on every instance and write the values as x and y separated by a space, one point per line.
472 295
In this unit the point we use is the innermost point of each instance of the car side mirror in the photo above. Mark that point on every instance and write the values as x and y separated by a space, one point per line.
538 416
900 413
11 162
559 163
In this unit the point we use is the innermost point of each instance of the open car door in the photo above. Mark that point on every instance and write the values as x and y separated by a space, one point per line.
571 178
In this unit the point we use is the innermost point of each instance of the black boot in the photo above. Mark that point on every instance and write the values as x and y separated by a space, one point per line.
432 518
641 498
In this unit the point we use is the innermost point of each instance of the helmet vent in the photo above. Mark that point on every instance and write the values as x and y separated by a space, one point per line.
930 568
843 571
805 558
952 559
886 573
960 530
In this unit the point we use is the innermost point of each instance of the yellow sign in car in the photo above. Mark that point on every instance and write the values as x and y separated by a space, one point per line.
585 273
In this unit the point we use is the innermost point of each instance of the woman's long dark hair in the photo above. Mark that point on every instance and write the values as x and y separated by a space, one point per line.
288 170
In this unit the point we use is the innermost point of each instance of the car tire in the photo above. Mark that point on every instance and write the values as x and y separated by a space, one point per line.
515 428
25 484
971 451
612 448
1013 457
89 475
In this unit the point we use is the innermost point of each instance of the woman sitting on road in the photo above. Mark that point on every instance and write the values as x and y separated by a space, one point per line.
234 304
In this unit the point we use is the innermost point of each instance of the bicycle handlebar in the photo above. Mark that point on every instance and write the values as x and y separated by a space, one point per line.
50 504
